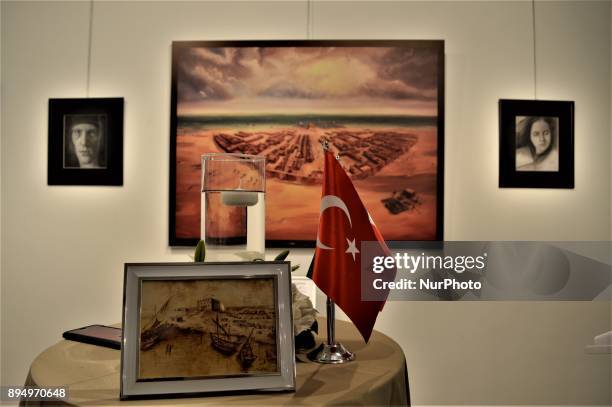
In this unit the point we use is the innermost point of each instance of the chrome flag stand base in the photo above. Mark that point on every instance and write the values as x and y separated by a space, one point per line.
331 351
326 353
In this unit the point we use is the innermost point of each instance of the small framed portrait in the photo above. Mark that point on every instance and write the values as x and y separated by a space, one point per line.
85 141
196 328
536 144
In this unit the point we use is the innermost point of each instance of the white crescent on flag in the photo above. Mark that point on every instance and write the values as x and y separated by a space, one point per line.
332 201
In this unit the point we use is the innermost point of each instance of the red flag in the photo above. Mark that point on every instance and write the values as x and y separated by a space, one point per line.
336 268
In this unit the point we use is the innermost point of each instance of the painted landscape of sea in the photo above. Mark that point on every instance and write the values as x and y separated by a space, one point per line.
207 328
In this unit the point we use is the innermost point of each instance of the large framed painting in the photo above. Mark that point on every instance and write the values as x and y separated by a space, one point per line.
380 103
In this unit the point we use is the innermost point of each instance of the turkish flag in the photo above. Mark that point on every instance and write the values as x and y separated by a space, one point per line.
336 267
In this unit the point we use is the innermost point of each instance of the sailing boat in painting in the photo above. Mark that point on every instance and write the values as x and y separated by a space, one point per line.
246 355
222 342
155 331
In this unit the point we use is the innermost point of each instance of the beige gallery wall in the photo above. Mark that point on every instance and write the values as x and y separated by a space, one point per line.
63 247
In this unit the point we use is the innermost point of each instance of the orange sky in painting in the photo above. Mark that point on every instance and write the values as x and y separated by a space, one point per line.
307 80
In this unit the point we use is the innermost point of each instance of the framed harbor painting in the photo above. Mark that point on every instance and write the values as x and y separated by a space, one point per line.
380 103
206 327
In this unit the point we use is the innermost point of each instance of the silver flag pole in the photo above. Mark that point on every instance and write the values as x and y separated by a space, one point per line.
330 351
331 321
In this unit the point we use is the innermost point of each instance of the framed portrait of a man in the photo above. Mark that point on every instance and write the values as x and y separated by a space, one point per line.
85 141
536 144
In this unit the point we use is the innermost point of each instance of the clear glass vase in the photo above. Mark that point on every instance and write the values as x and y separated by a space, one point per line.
233 206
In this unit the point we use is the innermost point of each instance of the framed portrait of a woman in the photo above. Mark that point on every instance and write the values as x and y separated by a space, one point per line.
536 144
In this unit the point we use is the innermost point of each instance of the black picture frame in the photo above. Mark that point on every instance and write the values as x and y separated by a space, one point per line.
438 185
521 165
101 160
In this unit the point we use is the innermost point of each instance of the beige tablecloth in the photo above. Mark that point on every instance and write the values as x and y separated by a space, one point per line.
378 376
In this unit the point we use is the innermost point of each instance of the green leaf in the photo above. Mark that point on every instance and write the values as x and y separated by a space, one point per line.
282 255
200 252
293 268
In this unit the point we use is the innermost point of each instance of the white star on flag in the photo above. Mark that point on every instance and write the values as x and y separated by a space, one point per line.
352 248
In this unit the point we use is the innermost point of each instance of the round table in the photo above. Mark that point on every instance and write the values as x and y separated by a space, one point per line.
378 376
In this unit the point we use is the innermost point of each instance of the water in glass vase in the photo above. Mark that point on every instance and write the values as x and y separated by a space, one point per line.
233 224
